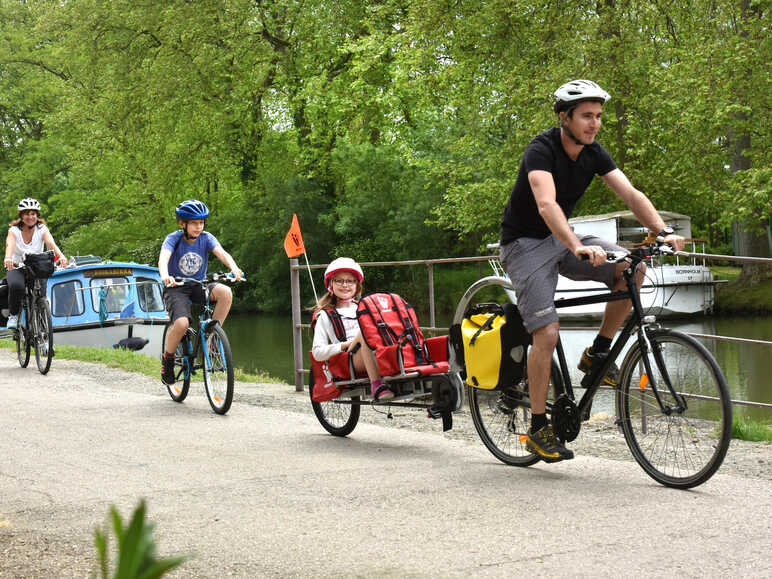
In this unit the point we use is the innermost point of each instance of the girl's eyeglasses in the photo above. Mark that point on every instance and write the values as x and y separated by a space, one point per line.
344 281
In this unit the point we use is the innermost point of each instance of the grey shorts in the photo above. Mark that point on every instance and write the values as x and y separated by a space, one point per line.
533 266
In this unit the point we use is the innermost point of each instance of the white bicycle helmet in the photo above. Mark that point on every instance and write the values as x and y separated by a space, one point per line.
342 264
576 91
28 203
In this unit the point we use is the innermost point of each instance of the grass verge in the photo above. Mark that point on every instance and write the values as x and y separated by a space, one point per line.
745 429
129 361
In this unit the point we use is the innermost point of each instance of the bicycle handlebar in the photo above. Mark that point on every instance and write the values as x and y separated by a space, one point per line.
229 277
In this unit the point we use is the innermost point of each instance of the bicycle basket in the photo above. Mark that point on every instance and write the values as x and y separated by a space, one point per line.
40 265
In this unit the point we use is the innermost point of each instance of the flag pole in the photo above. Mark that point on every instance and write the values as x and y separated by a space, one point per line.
311 277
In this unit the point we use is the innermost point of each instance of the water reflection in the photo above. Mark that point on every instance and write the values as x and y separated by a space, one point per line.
264 343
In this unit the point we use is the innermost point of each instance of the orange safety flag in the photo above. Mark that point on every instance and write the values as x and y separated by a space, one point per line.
293 242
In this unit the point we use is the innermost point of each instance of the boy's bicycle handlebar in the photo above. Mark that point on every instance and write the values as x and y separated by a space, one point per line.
229 277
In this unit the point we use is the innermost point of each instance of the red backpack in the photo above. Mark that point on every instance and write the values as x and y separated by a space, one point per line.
390 327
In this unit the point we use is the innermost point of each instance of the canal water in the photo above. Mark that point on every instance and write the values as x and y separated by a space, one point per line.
264 343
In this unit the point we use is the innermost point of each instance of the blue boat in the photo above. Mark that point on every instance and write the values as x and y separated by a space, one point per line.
108 304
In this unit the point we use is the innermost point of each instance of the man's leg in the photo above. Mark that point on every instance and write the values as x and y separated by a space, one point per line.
540 364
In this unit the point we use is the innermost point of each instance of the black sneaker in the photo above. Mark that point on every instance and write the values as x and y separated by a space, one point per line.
167 369
544 444
588 360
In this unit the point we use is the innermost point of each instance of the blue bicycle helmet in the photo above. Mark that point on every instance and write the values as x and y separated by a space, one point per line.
191 209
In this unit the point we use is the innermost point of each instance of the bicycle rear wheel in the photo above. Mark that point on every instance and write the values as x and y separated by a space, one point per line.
22 337
502 417
218 369
682 448
44 336
336 418
182 361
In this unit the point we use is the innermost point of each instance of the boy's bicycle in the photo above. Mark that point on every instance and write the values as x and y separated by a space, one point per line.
672 400
207 349
35 325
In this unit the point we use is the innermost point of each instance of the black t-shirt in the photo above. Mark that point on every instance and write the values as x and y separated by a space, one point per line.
572 178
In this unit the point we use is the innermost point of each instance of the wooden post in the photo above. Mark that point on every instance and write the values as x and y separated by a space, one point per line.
297 336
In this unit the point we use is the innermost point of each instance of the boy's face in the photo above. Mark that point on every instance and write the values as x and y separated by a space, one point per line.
193 227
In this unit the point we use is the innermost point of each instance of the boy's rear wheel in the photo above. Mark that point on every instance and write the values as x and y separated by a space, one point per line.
44 336
502 418
682 447
179 390
336 418
218 369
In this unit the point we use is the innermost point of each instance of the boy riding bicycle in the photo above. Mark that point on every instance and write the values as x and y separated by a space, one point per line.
185 253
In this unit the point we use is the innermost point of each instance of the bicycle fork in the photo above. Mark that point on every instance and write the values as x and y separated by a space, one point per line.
648 378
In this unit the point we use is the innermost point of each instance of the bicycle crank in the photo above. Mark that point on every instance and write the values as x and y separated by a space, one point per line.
565 418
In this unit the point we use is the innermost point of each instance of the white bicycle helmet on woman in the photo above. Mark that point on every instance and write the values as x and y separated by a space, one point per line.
339 265
28 203
572 93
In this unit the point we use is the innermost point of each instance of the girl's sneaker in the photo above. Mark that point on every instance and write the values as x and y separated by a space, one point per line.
380 391
13 322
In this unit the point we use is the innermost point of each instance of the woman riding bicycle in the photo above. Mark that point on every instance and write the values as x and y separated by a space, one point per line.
26 234
185 253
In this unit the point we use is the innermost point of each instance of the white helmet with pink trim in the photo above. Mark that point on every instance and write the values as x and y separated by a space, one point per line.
342 264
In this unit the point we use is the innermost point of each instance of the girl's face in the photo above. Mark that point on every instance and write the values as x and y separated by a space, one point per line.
344 286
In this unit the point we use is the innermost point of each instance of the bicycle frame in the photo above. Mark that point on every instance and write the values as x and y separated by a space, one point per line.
636 324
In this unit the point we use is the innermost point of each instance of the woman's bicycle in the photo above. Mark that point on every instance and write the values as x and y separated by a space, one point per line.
672 401
35 325
207 349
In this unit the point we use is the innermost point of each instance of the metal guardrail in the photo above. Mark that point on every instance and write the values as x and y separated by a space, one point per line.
297 326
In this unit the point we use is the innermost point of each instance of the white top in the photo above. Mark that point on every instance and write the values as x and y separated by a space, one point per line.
34 246
326 343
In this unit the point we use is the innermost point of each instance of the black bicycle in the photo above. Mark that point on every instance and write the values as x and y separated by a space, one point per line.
672 400
35 326
207 349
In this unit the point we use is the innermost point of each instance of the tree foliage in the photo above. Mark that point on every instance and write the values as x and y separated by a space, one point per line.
394 128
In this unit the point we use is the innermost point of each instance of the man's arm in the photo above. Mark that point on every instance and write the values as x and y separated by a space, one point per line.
226 258
640 205
543 187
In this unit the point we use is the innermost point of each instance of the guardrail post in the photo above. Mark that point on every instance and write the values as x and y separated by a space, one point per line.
297 336
430 267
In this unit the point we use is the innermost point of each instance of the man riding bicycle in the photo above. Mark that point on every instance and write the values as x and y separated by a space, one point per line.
537 243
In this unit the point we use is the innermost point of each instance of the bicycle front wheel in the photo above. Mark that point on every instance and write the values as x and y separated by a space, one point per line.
218 369
44 336
683 445
22 337
502 418
182 362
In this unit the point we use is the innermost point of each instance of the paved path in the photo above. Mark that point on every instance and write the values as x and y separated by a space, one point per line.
264 492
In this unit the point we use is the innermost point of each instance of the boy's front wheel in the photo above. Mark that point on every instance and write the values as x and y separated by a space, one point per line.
218 369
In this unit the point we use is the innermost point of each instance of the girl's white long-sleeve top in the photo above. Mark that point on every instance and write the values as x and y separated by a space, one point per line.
326 344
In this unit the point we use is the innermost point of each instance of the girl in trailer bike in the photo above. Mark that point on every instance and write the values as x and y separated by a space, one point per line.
27 234
335 322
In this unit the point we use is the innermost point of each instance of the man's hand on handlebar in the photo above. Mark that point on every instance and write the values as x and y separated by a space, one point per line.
594 253
675 241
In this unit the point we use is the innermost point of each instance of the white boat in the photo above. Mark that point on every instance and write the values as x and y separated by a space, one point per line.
106 304
674 286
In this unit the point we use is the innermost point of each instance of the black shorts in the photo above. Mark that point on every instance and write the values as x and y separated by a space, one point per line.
178 299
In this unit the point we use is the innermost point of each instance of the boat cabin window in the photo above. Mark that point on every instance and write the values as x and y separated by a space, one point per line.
149 293
66 299
116 293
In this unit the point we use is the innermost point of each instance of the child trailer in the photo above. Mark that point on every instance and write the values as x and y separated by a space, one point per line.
415 368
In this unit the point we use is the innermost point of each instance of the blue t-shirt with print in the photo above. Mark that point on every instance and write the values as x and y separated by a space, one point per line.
189 260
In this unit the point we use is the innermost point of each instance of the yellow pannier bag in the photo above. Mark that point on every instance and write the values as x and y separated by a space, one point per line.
494 345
